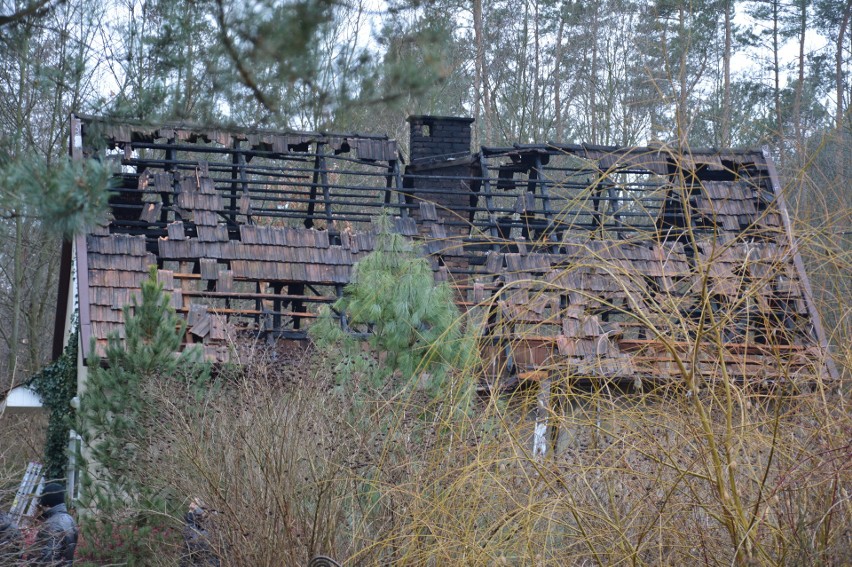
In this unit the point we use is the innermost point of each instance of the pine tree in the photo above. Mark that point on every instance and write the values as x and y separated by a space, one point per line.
394 304
116 417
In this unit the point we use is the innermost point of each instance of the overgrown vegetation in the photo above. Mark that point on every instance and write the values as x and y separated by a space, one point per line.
296 471
688 472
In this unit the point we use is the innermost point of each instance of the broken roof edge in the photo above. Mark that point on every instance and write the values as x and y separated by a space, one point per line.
667 155
619 150
196 128
780 202
435 118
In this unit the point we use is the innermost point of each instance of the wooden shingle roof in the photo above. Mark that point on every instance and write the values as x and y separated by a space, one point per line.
600 260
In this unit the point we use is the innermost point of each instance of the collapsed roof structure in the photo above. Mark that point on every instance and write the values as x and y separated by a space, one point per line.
603 262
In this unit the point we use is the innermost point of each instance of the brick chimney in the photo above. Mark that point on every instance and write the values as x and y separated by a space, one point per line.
436 137
439 171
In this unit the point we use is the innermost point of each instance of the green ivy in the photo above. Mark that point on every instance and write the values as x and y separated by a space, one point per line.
56 385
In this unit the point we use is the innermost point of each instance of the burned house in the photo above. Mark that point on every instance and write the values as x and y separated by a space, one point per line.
602 262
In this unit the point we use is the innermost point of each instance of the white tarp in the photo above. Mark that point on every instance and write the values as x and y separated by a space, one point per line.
20 398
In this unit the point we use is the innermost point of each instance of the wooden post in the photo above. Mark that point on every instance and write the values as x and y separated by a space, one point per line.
542 413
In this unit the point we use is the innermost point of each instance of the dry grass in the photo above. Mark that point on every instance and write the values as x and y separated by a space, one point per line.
633 481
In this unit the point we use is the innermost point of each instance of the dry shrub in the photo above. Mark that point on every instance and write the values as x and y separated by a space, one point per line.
370 479
682 474
275 464
721 475
632 481
21 441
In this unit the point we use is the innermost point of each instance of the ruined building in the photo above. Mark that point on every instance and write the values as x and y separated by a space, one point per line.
602 262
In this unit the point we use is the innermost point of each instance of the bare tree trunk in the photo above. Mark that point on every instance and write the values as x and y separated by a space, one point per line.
776 70
838 65
18 259
593 79
481 80
726 88
521 133
800 85
840 169
536 118
681 119
557 80
17 294
477 73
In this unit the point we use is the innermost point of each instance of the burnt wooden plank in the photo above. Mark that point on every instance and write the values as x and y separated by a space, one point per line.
117 244
199 201
119 262
150 212
209 269
166 279
201 326
163 182
176 299
245 205
197 312
218 233
427 211
176 230
225 283
206 186
205 218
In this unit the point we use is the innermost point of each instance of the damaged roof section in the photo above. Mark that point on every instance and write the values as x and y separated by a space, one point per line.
601 262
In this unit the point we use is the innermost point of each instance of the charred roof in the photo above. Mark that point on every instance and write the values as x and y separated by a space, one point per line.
600 260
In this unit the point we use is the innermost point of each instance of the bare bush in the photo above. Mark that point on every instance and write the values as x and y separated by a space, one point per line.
268 461
289 473
633 481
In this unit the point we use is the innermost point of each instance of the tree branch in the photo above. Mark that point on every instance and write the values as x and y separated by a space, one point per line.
31 10
244 73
